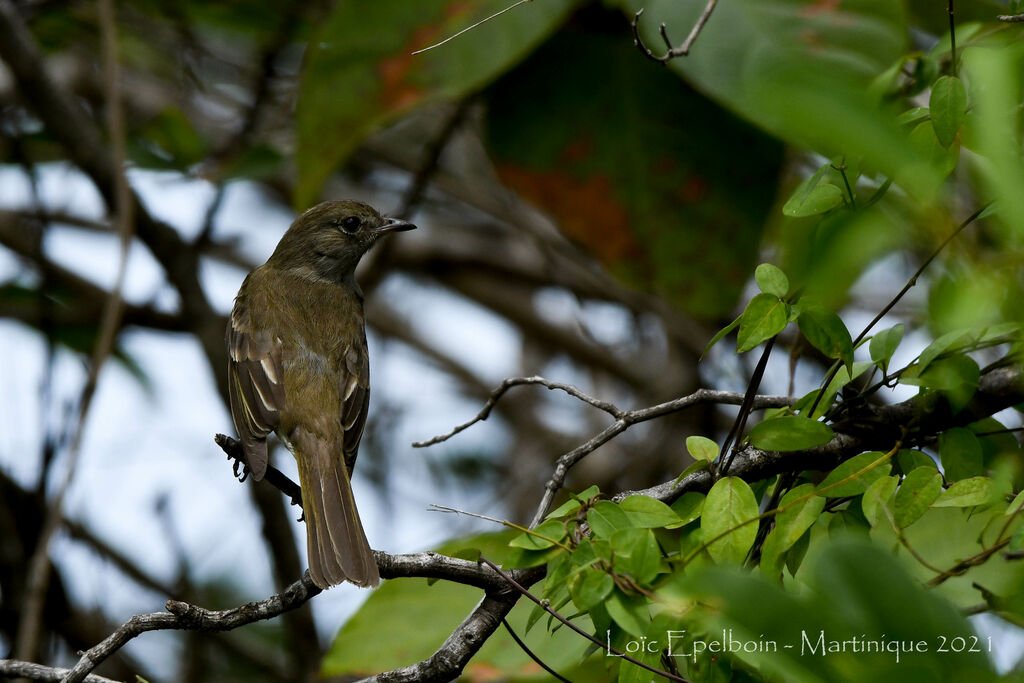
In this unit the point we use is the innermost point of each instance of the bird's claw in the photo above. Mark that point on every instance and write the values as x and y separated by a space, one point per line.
244 474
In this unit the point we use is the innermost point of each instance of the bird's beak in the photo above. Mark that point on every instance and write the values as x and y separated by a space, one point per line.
395 225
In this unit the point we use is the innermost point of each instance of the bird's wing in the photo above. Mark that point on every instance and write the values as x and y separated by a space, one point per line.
255 385
354 388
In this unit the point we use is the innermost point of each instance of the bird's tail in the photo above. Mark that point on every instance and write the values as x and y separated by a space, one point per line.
337 546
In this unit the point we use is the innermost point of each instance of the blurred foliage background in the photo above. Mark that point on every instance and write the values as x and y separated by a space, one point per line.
605 211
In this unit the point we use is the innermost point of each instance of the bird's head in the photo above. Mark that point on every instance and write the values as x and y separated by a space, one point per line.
328 240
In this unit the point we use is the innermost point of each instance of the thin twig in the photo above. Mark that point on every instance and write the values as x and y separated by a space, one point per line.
470 28
631 417
672 52
605 646
38 574
1011 18
530 654
511 525
952 36
895 300
507 384
728 446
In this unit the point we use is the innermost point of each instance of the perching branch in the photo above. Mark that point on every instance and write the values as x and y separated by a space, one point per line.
15 668
673 52
183 616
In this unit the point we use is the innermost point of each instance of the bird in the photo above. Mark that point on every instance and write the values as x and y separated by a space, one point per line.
298 365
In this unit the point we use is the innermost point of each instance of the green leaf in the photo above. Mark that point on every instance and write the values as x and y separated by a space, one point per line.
877 497
826 332
960 453
695 466
995 78
764 317
920 488
910 460
771 280
755 59
942 159
730 502
841 379
720 335
947 342
631 673
1016 505
583 555
359 73
856 474
629 612
590 587
966 493
913 115
640 204
790 525
821 198
605 517
574 503
636 552
790 433
544 536
1017 540
647 513
701 448
948 105
388 627
688 506
797 517
956 377
884 344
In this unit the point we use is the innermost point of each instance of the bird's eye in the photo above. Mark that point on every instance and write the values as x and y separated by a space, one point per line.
350 224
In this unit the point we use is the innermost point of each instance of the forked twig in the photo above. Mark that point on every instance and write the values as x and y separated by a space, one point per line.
507 384
672 52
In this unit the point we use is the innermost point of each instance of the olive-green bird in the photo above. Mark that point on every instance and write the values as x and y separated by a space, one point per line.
298 366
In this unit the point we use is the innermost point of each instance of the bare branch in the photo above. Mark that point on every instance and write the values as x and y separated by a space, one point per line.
12 668
628 418
672 52
507 384
899 295
1011 18
929 414
997 390
183 616
468 637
